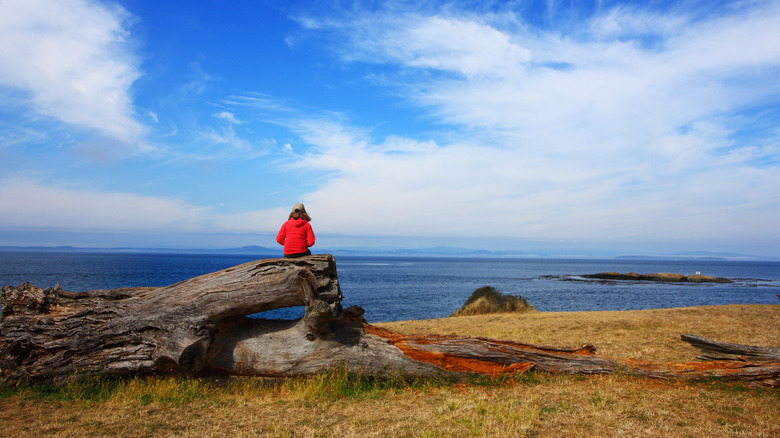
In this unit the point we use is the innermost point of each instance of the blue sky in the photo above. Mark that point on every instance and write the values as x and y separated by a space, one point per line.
589 127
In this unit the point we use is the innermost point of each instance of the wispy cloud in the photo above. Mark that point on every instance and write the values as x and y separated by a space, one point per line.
71 58
616 130
518 120
30 202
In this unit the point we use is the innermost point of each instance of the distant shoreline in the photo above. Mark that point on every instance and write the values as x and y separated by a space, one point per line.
443 252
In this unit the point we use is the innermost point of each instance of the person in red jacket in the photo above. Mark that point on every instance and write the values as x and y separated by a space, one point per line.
296 234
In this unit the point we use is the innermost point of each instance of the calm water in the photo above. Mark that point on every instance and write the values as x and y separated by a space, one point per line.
395 288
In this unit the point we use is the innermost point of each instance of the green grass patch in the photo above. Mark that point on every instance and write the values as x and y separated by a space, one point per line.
77 388
338 383
343 383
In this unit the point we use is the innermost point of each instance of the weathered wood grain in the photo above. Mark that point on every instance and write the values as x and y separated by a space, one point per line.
143 330
200 325
714 350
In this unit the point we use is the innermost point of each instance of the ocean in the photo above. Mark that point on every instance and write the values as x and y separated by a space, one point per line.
403 288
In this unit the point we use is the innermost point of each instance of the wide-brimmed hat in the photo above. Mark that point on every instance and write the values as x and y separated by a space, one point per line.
299 207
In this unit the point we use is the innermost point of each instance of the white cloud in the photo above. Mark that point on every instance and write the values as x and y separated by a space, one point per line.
228 116
30 203
466 47
625 127
463 190
600 136
267 221
627 23
73 58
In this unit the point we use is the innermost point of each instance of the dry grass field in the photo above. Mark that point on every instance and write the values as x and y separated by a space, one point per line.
531 404
641 334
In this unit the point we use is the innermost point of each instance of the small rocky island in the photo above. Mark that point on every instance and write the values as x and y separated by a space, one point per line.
661 277
200 326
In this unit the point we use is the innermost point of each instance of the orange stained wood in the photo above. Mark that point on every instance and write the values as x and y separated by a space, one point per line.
448 362
416 347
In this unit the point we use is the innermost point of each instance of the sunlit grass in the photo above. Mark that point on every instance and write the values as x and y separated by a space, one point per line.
639 334
345 404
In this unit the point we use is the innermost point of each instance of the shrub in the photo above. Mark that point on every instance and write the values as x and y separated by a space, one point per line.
488 299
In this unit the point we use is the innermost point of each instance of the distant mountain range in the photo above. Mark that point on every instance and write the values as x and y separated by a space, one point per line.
702 255
249 250
441 251
438 251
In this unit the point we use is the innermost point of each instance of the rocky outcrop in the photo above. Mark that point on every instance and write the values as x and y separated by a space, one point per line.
488 299
662 277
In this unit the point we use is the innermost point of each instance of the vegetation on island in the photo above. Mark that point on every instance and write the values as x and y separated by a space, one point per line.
664 277
488 299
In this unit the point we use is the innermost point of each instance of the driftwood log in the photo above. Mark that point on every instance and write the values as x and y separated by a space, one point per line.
714 350
201 326
147 330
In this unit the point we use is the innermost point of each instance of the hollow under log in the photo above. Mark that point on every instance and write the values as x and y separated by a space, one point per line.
200 325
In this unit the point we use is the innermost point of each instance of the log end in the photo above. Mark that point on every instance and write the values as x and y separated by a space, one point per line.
25 299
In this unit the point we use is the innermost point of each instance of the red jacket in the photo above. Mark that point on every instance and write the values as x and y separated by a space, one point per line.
296 235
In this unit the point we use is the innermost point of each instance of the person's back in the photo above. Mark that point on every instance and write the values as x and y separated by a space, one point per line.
296 234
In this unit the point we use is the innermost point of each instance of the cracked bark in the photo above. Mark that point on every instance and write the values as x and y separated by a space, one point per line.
200 325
